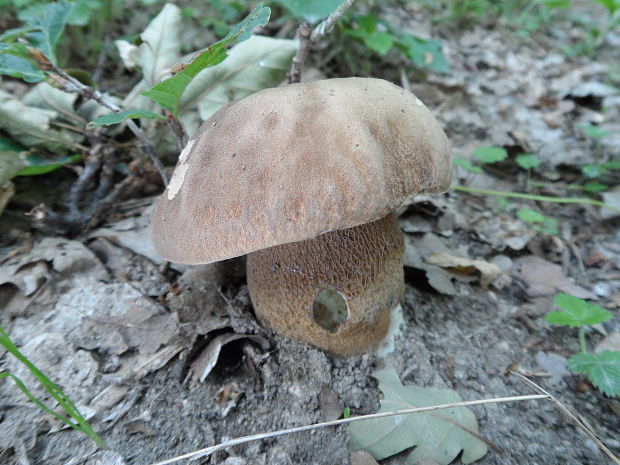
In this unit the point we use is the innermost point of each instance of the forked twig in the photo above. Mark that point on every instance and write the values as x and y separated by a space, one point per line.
257 437
308 37
568 414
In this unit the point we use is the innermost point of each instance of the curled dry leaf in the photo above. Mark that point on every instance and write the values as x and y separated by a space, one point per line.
466 266
442 265
202 366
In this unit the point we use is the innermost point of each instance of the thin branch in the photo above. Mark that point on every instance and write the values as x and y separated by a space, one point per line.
328 24
256 437
308 37
177 129
303 35
568 414
71 85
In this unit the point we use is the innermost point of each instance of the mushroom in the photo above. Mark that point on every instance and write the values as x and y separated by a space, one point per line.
305 179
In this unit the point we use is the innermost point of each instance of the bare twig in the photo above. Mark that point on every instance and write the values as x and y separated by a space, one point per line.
568 414
91 167
256 437
71 85
308 37
177 129
327 25
303 35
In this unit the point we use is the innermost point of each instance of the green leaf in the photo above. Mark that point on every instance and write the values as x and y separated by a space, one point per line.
490 154
530 216
255 64
14 63
550 226
613 165
438 435
56 392
594 132
380 42
527 161
83 12
168 93
116 118
467 165
602 369
576 312
9 145
425 54
594 187
310 11
594 170
36 165
51 20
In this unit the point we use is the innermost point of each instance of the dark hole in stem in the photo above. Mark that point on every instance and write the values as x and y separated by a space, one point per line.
330 310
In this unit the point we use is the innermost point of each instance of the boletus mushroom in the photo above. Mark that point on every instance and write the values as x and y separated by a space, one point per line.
305 179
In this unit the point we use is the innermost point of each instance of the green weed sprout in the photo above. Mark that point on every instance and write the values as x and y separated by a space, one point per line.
80 424
602 369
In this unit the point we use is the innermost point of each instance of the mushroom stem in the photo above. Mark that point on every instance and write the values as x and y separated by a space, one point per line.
335 291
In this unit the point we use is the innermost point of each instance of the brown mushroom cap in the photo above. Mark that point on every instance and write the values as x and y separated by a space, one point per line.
290 163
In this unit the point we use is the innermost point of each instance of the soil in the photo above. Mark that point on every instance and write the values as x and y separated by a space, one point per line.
69 304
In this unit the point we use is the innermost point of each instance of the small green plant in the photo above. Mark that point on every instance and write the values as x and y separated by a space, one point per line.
381 37
602 369
539 222
596 29
484 156
527 161
79 423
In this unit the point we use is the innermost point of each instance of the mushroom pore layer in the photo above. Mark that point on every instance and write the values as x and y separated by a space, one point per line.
335 291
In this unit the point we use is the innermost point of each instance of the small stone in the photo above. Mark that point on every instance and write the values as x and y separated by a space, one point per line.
362 457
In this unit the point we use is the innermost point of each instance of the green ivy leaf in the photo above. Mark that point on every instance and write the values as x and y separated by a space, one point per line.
116 118
490 154
602 369
168 93
527 161
576 312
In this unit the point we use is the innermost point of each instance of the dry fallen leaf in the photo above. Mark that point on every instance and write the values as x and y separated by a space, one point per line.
442 265
609 342
545 278
204 363
466 266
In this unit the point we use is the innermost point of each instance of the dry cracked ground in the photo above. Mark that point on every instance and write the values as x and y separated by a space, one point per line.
164 361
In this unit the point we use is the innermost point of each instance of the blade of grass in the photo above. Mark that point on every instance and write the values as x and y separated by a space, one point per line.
539 198
55 391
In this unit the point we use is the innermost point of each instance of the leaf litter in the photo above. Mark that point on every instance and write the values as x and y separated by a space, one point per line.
528 98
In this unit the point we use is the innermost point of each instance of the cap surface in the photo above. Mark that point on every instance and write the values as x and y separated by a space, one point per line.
290 163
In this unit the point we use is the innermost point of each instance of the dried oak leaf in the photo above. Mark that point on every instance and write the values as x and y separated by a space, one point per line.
437 435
